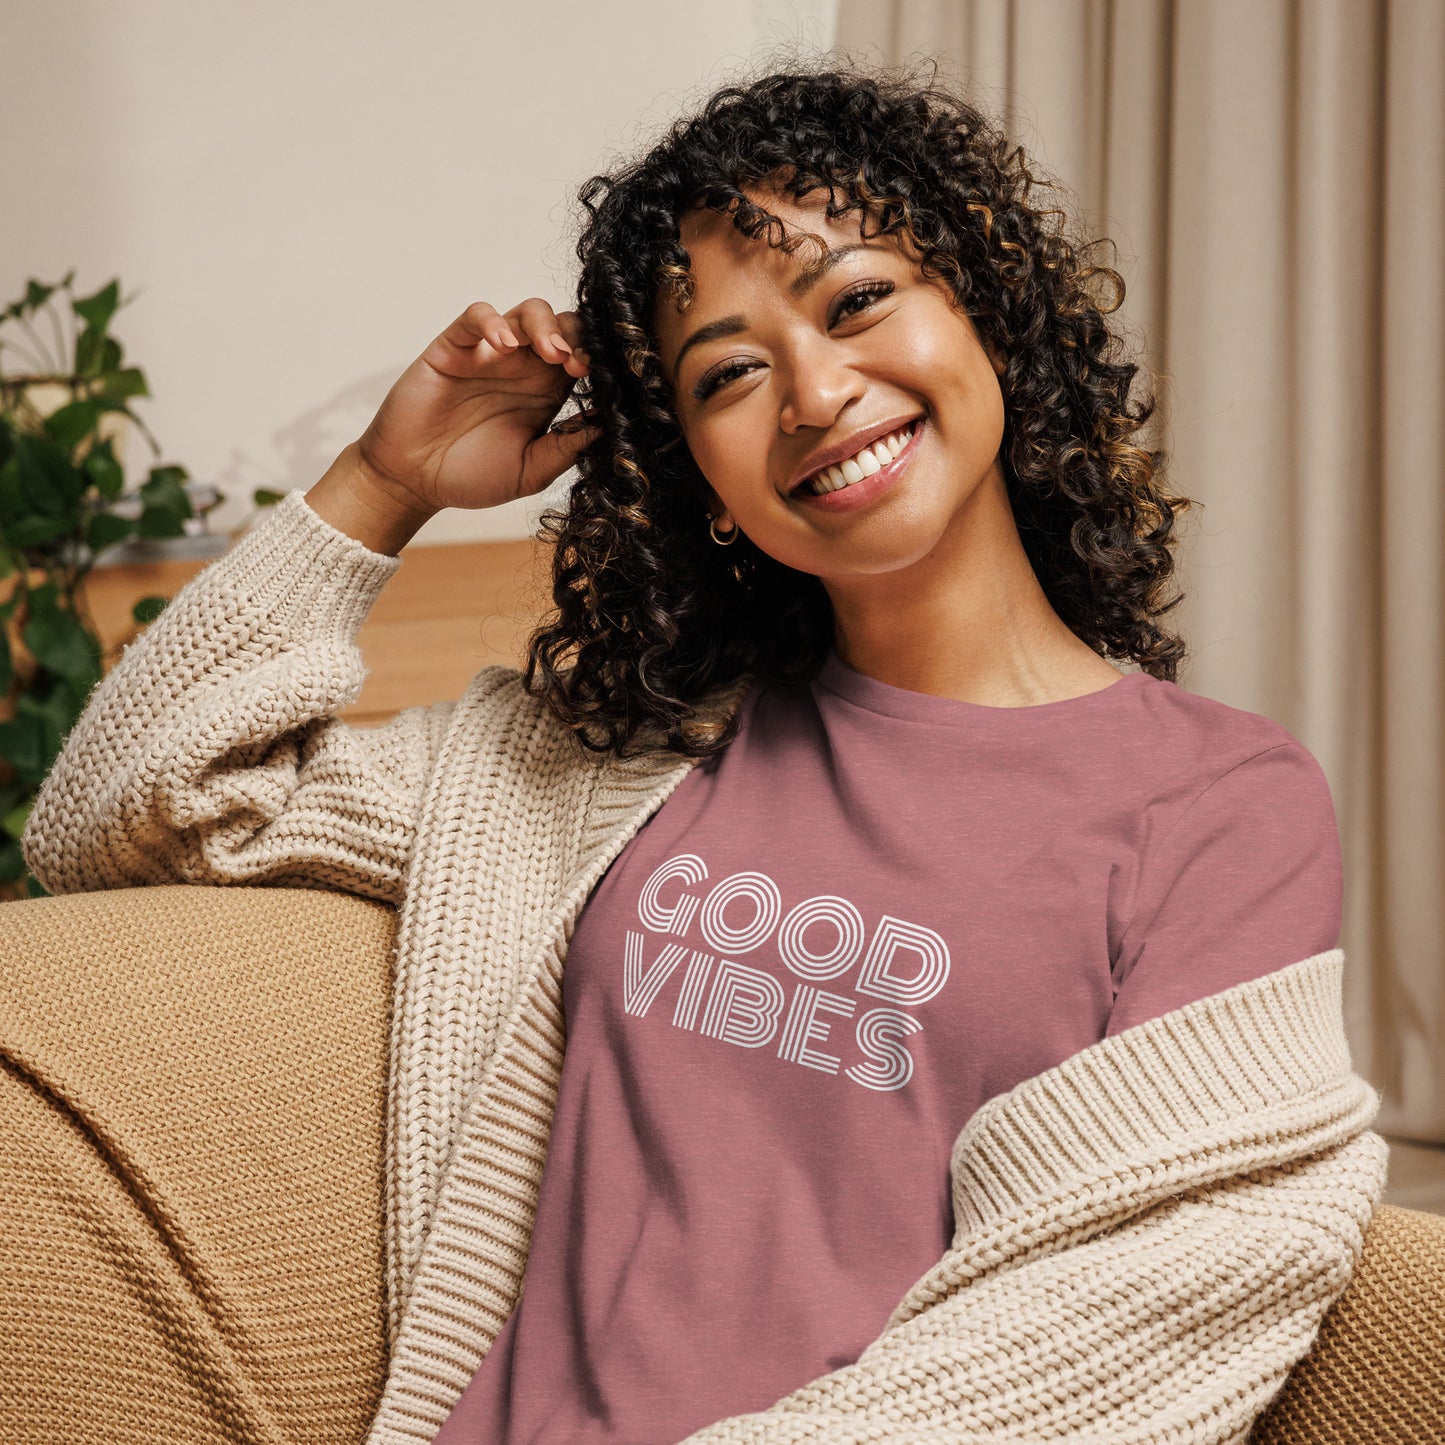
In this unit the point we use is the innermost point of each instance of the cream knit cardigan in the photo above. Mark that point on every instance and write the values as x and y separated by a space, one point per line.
1148 1235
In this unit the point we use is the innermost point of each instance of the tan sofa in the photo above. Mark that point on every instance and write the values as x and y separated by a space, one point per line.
191 1183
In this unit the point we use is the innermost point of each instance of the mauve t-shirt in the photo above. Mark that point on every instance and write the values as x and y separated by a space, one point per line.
876 910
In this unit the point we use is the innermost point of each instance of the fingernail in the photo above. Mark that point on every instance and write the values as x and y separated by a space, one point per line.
508 337
558 342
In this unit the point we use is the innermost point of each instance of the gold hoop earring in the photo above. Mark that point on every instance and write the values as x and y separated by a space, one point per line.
721 541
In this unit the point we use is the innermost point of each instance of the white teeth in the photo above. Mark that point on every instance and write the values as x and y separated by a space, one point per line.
871 459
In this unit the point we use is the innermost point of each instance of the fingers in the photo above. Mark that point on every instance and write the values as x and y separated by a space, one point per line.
551 453
482 333
480 322
555 338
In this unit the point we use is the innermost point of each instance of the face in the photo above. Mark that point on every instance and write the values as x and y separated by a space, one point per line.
774 370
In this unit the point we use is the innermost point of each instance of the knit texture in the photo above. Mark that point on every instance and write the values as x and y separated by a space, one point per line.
191 1125
1376 1371
1148 1235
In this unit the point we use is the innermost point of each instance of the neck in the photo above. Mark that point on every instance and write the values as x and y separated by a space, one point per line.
967 620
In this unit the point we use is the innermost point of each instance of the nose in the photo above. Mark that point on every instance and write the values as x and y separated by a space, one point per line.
820 382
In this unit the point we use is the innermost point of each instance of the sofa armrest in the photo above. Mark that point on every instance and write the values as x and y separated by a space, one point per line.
1376 1371
192 1113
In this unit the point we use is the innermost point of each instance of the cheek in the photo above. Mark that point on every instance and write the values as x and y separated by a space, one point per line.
959 376
728 453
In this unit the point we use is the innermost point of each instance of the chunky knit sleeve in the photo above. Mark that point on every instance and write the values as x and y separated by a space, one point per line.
210 752
1148 1237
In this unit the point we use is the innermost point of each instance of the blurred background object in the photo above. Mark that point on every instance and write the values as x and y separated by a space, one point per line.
306 195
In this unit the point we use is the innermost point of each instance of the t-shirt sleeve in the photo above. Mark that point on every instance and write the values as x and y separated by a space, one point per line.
1248 880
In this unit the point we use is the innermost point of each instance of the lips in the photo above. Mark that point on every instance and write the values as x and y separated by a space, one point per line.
850 446
862 495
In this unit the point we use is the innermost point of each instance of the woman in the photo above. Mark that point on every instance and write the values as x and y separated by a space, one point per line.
893 1107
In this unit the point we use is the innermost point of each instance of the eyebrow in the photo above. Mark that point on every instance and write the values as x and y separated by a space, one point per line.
731 325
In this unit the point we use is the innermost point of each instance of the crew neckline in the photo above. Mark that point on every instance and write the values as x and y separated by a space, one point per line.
837 677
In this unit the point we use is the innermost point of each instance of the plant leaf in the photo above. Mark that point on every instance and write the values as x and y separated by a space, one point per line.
44 596
96 310
105 529
22 745
89 352
55 712
12 494
36 295
71 422
7 668
165 483
34 530
51 484
14 821
59 641
148 609
167 506
130 381
102 468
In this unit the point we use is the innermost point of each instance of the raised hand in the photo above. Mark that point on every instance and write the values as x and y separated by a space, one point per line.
469 422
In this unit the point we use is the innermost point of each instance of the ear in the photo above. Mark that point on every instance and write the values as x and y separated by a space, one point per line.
716 508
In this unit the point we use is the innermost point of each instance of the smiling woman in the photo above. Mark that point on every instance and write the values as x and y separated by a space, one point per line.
828 320
928 1032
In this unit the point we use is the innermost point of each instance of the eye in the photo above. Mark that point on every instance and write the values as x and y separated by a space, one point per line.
867 293
716 377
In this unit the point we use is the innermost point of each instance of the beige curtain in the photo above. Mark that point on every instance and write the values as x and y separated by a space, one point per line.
1273 172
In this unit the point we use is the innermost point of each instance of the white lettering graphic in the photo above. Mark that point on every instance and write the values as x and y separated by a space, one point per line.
875 1032
823 939
818 967
675 920
744 1005
895 933
638 988
755 886
690 999
803 1024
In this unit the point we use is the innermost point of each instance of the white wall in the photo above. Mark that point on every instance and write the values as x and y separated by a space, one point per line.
301 196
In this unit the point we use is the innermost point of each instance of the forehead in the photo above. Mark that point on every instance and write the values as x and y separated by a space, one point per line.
713 235
726 265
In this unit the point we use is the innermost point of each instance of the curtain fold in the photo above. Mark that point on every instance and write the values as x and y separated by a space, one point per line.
1273 175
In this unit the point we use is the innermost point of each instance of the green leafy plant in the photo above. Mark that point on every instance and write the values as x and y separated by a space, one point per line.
60 486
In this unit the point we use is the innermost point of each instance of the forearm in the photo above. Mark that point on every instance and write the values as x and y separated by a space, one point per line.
1180 1326
1149 1235
210 752
355 501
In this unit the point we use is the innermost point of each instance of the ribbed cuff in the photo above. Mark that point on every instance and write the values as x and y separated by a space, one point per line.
320 578
1260 1046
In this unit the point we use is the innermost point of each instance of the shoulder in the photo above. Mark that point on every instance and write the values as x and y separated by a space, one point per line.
1204 746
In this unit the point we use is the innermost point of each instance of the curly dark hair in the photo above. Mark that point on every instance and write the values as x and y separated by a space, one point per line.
649 612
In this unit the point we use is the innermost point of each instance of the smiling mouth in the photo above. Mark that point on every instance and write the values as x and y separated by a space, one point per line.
865 463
